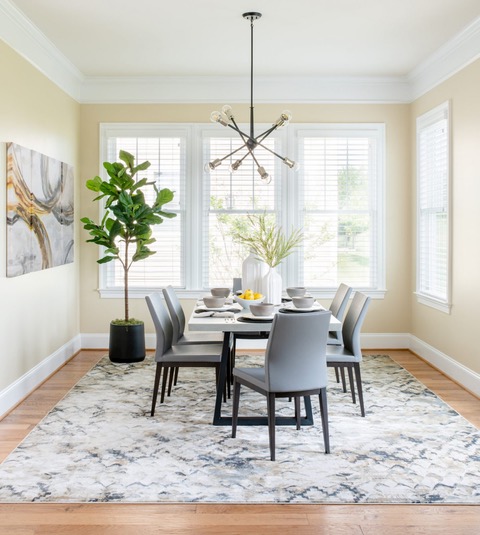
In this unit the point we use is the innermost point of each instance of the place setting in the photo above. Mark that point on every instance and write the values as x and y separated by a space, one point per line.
299 302
259 313
217 305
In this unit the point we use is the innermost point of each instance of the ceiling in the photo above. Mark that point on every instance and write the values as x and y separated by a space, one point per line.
210 38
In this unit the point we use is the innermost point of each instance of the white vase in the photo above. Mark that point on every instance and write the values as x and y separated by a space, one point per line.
253 271
272 287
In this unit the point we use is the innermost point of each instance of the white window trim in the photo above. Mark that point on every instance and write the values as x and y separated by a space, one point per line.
428 118
289 200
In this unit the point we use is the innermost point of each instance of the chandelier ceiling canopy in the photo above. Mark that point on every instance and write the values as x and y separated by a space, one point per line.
250 141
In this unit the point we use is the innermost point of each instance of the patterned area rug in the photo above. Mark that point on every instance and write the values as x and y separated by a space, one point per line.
100 445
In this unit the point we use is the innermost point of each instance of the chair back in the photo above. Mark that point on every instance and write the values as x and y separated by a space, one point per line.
353 324
340 300
176 313
295 356
162 322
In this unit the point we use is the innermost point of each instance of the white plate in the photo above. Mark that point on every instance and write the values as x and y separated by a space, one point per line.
293 308
251 316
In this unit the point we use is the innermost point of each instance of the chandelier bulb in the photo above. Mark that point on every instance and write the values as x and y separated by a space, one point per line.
217 117
293 165
235 165
284 119
228 112
211 166
264 175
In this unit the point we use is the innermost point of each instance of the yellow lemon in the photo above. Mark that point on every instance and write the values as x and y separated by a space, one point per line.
257 295
249 295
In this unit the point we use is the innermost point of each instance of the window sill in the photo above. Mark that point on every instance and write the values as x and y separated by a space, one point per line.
140 293
431 302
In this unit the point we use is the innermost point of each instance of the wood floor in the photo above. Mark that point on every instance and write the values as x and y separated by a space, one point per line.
202 519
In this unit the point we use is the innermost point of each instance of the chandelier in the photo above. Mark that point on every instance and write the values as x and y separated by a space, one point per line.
250 141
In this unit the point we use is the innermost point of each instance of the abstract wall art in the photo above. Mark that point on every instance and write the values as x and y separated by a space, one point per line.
40 194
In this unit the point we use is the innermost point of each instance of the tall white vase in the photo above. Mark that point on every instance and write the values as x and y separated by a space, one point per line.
253 271
272 287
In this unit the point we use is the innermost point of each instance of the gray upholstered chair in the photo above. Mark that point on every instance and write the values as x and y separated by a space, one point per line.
178 321
177 316
170 357
337 308
295 366
349 355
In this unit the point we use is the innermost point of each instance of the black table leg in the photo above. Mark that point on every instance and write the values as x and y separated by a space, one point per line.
218 419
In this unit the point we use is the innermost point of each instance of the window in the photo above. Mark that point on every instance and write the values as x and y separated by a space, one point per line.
165 149
433 219
340 206
336 197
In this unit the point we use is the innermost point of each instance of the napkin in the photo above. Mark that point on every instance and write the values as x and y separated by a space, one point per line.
212 314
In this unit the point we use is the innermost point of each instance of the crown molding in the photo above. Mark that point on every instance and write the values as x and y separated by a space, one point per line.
28 41
25 38
209 89
449 59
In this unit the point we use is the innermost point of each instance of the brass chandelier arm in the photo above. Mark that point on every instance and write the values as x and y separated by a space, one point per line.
234 152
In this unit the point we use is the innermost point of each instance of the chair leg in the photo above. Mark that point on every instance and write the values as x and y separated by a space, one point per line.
236 403
337 375
297 412
271 423
352 385
171 372
164 383
158 372
324 414
358 378
344 382
176 376
232 357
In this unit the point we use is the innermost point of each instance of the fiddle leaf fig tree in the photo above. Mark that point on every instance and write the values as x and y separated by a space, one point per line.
125 230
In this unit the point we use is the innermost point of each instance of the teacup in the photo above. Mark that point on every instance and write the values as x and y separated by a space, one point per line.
220 292
296 291
303 302
214 302
262 309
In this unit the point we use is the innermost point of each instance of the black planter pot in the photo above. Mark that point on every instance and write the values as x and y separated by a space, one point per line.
127 343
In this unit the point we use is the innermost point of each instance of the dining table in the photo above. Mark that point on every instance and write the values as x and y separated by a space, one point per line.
231 319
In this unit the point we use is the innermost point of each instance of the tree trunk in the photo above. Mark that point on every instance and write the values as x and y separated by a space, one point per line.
125 281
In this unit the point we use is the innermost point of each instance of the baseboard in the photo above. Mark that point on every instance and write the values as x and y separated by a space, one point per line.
456 371
18 390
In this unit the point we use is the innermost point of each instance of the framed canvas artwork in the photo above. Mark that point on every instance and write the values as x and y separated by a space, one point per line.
40 194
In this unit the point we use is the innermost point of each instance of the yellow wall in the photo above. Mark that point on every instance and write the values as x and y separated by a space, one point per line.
455 334
39 312
390 315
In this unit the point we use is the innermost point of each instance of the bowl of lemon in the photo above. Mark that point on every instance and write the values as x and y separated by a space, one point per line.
249 297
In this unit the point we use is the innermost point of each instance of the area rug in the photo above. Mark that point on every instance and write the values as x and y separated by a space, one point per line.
99 444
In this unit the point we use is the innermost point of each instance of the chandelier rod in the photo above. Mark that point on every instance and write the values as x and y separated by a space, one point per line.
252 18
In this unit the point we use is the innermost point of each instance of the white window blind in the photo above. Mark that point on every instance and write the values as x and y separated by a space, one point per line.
433 234
228 198
166 151
340 207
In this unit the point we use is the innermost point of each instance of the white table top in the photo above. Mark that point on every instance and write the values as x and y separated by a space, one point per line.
232 325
